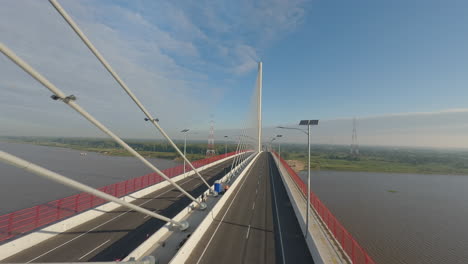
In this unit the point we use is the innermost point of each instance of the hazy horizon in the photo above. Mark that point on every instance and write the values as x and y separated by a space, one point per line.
421 130
190 63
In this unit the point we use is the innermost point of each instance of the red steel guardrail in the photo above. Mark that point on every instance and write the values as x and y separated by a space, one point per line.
25 220
349 245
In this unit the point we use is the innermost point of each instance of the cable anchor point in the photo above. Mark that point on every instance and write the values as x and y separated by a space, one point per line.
65 100
155 120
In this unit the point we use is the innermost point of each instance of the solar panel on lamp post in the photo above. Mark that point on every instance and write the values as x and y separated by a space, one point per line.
279 145
308 123
185 144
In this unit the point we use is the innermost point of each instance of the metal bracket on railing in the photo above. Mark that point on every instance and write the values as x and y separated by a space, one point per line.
65 100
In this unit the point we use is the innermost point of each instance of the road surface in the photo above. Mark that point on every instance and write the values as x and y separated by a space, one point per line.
256 225
115 234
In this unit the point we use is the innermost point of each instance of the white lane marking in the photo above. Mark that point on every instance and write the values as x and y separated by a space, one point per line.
248 231
219 224
146 216
110 220
253 205
59 246
93 250
277 217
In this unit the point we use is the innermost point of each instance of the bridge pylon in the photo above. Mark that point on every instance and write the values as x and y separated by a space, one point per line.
259 106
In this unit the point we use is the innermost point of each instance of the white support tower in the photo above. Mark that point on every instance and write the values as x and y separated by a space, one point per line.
259 106
210 151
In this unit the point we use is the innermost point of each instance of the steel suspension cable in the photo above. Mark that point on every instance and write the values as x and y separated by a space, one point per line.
38 170
239 149
70 101
237 156
122 84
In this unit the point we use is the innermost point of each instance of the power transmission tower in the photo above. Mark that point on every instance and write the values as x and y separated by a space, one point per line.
354 142
210 151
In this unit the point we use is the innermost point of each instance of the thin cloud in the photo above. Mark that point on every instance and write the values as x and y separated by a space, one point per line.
407 114
167 52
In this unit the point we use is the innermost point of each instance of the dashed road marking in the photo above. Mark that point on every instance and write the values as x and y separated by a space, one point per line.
94 249
69 241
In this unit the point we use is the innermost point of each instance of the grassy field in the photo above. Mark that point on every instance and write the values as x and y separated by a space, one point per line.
323 157
195 151
122 152
421 161
371 164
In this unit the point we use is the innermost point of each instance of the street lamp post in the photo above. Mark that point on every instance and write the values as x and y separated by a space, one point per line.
271 143
279 145
185 144
225 145
307 123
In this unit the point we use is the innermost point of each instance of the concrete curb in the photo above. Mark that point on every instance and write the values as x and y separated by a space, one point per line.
15 246
184 253
320 247
146 246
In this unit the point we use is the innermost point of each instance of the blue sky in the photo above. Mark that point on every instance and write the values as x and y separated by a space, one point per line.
189 60
361 58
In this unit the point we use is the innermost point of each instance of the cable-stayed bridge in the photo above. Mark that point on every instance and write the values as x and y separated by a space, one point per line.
186 214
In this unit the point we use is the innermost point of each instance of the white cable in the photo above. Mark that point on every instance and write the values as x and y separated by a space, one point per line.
70 101
234 160
38 170
106 65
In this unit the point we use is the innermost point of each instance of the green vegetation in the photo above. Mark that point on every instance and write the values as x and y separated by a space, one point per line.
381 159
147 148
323 157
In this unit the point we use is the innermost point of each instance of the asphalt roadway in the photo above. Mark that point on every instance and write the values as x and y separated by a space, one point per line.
114 235
256 225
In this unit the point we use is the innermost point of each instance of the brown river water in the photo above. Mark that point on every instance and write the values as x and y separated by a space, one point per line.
423 219
20 189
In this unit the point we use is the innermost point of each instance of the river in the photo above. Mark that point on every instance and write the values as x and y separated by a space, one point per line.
400 218
20 189
422 220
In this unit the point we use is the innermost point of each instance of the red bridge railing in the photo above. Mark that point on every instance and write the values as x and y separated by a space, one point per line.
25 220
352 248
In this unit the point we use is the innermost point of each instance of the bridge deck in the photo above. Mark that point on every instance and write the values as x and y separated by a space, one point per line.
115 234
257 224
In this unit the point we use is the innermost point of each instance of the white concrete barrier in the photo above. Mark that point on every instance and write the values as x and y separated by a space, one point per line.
146 246
15 246
183 254
322 247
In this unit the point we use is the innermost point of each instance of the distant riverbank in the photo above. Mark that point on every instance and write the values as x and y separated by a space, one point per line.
111 151
364 164
21 189
387 159
323 157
